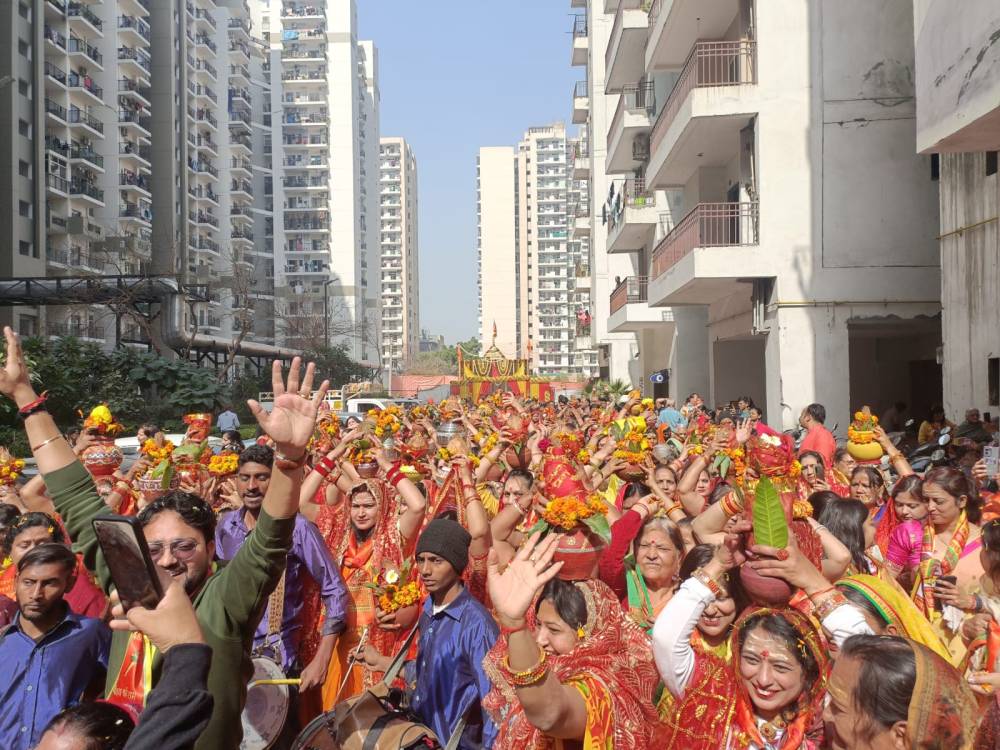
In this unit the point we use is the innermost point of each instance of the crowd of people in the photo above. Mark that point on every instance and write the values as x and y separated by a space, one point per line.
592 572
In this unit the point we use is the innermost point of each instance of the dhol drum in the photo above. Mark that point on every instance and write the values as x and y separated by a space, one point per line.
266 709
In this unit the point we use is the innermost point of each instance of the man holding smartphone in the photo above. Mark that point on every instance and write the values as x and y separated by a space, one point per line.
179 530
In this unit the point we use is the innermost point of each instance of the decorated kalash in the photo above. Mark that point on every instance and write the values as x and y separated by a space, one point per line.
494 372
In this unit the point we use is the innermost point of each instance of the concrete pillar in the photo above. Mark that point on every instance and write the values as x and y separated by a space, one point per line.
807 360
689 357
619 360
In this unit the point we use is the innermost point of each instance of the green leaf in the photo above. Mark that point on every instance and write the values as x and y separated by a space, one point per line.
372 586
724 465
540 525
168 476
599 525
769 525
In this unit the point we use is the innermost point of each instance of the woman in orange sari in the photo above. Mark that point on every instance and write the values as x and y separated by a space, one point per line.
569 665
367 535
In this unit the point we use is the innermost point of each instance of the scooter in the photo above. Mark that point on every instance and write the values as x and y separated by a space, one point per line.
932 454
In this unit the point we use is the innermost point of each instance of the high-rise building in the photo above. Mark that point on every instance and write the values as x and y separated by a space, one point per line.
400 275
782 245
958 123
324 87
76 172
193 139
534 192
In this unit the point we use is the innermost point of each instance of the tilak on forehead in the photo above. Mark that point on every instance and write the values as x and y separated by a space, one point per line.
768 646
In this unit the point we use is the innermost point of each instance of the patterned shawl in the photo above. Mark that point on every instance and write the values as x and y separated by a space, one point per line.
943 714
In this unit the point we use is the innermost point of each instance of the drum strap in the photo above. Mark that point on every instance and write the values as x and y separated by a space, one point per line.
400 658
275 613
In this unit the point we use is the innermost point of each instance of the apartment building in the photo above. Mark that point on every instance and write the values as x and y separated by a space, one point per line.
528 263
194 139
323 86
76 168
400 273
762 192
958 124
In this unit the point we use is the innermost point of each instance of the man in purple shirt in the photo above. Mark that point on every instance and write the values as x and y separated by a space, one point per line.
307 557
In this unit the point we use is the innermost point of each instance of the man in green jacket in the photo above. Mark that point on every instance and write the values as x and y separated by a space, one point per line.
179 529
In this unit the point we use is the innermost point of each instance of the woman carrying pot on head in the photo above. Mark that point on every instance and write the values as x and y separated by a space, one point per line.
769 694
645 582
569 664
372 531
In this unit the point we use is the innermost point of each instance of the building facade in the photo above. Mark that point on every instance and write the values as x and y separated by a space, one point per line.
400 271
528 260
958 124
194 139
773 221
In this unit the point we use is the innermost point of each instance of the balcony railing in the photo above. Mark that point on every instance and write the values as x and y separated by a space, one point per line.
77 330
635 97
87 154
710 64
630 193
82 11
77 115
79 45
55 72
580 25
630 290
138 56
580 90
136 24
707 225
81 187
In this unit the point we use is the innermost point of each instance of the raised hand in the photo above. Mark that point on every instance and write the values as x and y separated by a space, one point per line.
743 431
292 420
513 591
15 378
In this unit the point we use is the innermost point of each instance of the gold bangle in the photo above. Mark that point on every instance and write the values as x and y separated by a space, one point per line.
45 442
528 677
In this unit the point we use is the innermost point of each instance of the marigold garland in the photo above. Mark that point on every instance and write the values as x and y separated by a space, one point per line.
388 421
395 589
10 471
566 512
157 452
223 464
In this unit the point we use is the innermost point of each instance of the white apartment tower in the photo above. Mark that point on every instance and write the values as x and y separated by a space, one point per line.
781 239
400 278
543 302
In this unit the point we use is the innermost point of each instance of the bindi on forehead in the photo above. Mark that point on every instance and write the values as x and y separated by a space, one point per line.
767 647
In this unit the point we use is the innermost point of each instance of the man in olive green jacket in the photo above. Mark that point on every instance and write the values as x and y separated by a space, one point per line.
179 529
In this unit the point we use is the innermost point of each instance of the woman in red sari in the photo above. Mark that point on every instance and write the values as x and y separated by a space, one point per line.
367 534
569 666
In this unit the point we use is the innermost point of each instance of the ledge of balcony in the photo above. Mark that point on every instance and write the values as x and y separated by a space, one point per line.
675 25
630 309
624 60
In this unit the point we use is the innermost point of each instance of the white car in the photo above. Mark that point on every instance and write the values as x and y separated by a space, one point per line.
129 446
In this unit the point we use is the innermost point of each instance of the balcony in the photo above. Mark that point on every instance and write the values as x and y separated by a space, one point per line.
581 103
79 46
86 189
87 154
90 331
581 42
135 59
632 216
630 310
581 227
85 83
675 25
628 136
623 57
700 122
85 119
136 28
703 256
82 14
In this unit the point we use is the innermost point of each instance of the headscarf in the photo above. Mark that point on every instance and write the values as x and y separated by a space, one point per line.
897 609
943 713
716 704
614 653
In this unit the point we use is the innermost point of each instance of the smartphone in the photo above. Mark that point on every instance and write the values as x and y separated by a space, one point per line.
950 579
132 569
991 455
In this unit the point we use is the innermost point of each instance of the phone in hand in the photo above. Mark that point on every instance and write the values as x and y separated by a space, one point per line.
132 570
938 605
991 455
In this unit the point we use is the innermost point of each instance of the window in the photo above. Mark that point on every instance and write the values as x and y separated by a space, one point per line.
22 48
23 168
991 162
23 128
24 208
935 167
993 379
24 248
22 87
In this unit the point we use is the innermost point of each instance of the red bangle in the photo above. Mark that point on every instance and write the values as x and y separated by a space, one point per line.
505 631
28 408
322 470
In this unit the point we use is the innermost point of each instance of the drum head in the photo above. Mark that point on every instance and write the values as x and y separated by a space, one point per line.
319 734
266 709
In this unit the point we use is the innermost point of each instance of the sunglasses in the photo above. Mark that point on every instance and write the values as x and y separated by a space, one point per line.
180 549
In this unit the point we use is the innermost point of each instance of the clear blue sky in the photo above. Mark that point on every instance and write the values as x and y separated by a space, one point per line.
455 76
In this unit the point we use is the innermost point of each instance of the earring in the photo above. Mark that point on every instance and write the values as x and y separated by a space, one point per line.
581 633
